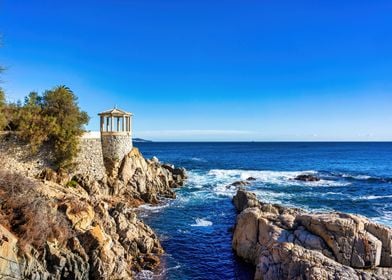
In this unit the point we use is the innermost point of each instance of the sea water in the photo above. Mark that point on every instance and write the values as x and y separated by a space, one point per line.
195 228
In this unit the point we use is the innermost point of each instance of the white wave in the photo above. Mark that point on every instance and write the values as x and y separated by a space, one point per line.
200 222
357 177
385 219
153 208
270 177
149 275
198 159
372 197
145 275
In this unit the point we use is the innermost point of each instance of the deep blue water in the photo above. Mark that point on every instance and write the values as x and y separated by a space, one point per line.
195 228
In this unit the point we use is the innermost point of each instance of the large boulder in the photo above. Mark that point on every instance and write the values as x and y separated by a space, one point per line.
289 243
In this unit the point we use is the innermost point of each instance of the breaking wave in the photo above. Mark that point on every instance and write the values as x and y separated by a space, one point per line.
200 222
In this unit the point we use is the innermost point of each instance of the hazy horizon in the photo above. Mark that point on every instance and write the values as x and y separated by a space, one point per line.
211 71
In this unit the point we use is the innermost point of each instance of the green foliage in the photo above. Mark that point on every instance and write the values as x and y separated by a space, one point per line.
61 105
52 118
72 184
34 126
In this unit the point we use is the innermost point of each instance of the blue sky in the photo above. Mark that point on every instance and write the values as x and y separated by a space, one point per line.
211 70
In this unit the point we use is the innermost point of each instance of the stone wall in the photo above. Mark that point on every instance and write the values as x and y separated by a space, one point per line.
15 155
90 160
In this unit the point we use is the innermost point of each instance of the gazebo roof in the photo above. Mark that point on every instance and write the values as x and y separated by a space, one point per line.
115 112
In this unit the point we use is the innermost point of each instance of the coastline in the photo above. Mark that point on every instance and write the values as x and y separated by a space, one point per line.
286 243
100 234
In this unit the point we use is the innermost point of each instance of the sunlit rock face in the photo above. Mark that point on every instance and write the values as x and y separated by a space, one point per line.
289 243
90 228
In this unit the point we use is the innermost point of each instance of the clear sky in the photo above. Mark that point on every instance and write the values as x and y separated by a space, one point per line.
211 70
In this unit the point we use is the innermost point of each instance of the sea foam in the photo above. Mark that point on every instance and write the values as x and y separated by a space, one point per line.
200 222
271 177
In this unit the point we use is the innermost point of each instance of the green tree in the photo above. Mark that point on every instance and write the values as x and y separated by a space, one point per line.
33 125
53 118
61 104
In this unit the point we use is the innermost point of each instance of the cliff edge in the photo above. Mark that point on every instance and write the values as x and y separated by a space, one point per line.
75 226
290 243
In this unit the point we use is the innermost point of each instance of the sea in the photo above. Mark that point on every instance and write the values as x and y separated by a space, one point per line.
195 229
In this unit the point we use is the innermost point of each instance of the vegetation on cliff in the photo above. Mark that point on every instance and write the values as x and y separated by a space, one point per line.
53 118
28 214
58 226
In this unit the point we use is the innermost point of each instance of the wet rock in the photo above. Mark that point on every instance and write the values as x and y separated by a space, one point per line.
251 179
307 178
239 184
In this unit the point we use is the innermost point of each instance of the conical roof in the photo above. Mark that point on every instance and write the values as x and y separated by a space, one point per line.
115 112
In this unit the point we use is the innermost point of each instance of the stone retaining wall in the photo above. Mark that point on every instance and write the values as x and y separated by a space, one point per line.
16 156
90 159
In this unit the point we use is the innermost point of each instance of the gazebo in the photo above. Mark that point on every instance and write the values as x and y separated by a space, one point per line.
115 121
116 138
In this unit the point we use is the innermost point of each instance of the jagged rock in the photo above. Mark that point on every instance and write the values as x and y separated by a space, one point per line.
307 178
244 200
9 263
59 177
239 183
102 238
64 264
150 179
80 214
289 243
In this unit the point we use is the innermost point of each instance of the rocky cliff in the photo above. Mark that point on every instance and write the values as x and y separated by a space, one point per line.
289 243
60 226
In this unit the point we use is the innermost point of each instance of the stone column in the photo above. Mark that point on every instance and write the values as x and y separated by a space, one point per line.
111 123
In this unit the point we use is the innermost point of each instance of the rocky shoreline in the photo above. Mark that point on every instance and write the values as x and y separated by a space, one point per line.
60 226
290 243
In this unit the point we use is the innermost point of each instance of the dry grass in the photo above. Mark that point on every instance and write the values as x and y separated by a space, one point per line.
33 218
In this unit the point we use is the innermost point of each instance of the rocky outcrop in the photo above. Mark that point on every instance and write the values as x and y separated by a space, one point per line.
307 178
148 179
99 235
9 263
289 243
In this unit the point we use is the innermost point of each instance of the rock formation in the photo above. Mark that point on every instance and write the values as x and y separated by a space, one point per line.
61 226
307 178
289 243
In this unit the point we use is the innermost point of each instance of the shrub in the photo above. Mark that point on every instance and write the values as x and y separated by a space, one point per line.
72 184
30 216
52 118
34 126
